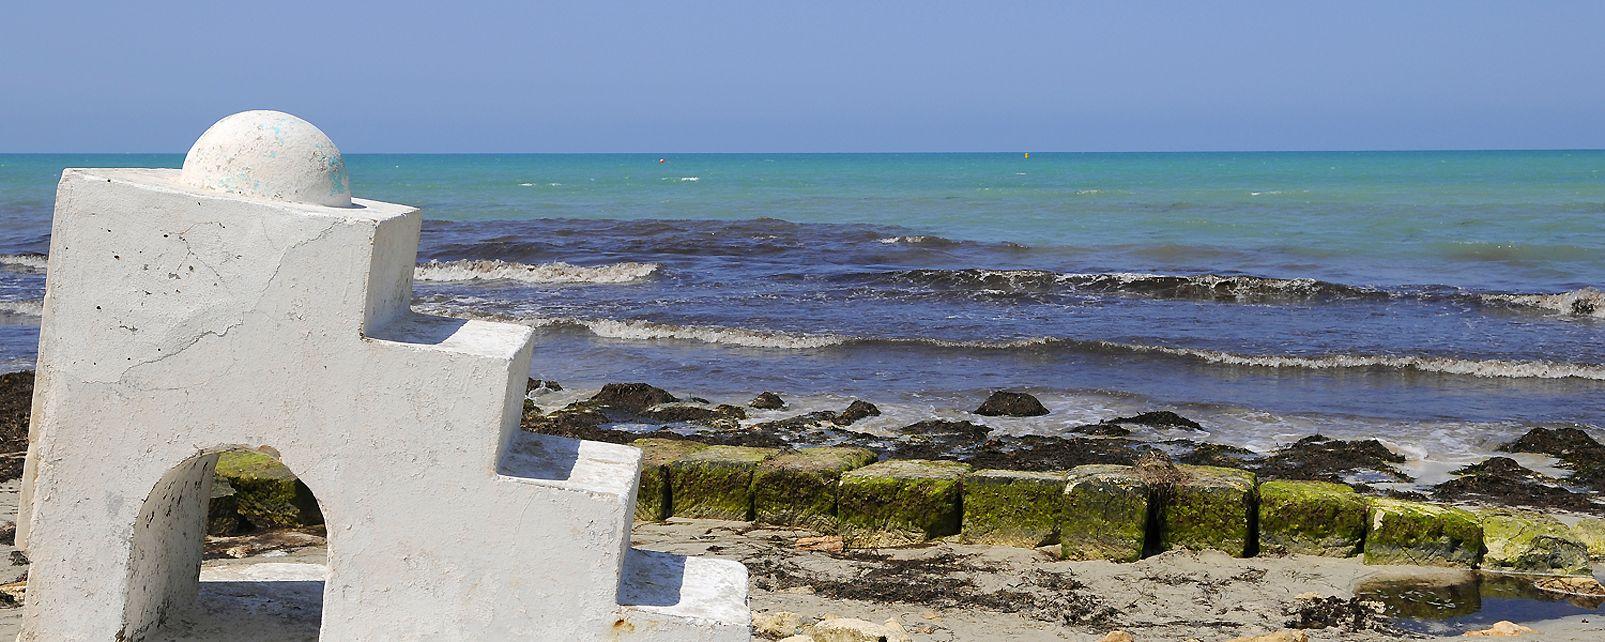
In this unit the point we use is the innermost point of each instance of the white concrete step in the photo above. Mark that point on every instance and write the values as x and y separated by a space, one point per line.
674 598
573 464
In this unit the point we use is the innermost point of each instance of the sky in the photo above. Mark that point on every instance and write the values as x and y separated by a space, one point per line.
817 76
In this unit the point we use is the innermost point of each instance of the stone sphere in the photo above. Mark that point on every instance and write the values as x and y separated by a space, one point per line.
270 155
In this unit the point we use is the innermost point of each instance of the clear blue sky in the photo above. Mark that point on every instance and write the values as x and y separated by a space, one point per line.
482 76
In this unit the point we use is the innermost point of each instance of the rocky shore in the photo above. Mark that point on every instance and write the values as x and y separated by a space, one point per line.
946 529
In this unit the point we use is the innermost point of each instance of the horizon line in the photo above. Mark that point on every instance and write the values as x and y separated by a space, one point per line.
888 152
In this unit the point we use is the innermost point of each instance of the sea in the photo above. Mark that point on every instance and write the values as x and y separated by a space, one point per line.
1444 302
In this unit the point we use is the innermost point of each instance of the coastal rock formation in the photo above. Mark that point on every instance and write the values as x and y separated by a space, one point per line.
900 502
1405 532
799 488
631 397
1319 458
767 401
1011 404
1528 542
1502 481
1573 446
1158 419
716 482
1311 518
1209 508
1013 508
223 510
1106 514
858 409
16 400
653 501
1591 532
266 494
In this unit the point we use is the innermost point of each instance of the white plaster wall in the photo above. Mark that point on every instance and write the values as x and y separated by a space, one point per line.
238 323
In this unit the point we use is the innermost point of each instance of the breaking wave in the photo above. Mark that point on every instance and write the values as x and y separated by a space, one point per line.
1585 302
30 262
22 308
750 338
1214 287
496 269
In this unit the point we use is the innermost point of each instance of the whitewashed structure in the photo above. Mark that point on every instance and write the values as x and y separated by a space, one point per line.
248 301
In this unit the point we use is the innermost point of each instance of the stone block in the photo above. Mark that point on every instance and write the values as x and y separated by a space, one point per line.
1013 508
715 482
799 488
1591 532
266 493
1105 514
223 510
1526 542
652 498
1404 532
1210 508
1311 518
900 502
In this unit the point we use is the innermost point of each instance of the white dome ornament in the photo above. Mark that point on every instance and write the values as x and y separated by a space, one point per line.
269 155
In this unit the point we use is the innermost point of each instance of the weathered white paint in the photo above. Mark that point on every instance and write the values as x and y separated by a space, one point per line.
182 318
272 155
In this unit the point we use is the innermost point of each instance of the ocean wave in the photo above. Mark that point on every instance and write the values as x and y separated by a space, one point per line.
1585 302
925 240
23 308
1213 287
751 338
496 269
28 262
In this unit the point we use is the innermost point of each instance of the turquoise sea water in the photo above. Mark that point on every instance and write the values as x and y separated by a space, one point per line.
1445 295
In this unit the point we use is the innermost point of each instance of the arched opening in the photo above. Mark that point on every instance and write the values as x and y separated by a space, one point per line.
228 545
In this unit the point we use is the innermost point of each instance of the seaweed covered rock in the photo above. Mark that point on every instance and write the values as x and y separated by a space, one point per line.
1405 532
715 482
767 401
1105 514
223 509
1502 481
1011 404
1573 446
1591 532
1317 457
16 403
723 416
1527 542
800 488
1311 518
1158 419
1209 508
1013 508
266 494
631 397
652 499
900 502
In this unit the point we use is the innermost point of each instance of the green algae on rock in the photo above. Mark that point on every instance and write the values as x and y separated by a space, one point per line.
1311 518
1517 541
1013 508
1591 532
223 510
1209 508
799 488
1105 514
715 482
1405 532
652 498
900 502
266 493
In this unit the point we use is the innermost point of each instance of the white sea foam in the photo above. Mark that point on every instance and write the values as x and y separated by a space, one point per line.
1585 302
1491 368
24 261
495 269
23 308
690 179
